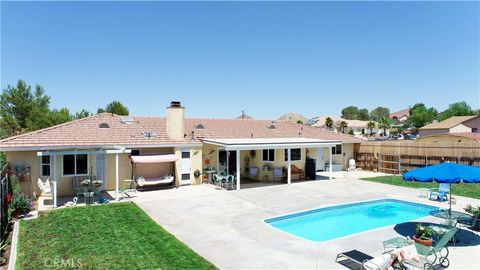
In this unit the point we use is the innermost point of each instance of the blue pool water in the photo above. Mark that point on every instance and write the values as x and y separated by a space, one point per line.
336 221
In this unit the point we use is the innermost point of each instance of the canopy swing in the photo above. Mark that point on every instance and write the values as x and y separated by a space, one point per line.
163 180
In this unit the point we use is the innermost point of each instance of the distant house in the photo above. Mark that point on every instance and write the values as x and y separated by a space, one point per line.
467 137
455 124
400 116
359 127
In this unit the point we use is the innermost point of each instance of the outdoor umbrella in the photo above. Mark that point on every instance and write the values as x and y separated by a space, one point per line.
450 173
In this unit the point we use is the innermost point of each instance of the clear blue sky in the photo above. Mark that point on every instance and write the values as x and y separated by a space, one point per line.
266 58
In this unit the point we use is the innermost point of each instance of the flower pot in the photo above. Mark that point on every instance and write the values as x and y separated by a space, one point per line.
425 242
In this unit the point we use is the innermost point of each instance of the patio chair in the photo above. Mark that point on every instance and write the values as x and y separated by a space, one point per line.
45 188
278 173
253 172
230 181
441 192
438 251
217 181
365 261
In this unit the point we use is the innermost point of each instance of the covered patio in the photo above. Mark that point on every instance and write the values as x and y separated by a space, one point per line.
252 144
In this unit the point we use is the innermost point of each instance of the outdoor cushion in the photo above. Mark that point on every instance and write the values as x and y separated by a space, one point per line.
381 262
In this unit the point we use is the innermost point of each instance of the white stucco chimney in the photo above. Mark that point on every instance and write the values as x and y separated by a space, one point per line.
175 121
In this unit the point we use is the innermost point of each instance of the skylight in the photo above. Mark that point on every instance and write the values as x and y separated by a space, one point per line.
126 120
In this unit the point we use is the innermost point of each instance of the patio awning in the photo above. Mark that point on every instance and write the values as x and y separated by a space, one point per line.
269 143
153 159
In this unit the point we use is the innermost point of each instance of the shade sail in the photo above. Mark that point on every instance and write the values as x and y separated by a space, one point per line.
153 159
450 173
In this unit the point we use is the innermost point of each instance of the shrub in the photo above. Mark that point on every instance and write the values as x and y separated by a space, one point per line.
472 210
22 203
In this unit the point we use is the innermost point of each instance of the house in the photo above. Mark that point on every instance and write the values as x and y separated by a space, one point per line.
105 145
400 116
464 137
293 118
454 124
359 127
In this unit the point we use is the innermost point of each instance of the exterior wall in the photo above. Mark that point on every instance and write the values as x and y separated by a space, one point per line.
196 164
426 132
460 128
175 120
474 123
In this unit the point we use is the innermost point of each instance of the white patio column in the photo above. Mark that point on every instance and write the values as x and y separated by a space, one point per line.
228 161
330 163
238 169
289 176
54 179
116 178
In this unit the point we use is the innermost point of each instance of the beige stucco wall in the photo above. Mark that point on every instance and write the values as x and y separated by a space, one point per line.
460 128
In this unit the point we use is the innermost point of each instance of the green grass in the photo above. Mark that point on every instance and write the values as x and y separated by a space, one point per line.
467 190
114 236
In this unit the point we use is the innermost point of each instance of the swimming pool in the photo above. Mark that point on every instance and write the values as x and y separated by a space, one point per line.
332 222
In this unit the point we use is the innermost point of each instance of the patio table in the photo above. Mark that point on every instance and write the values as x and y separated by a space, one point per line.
449 215
397 242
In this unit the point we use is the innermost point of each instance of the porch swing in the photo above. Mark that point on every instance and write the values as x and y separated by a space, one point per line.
163 180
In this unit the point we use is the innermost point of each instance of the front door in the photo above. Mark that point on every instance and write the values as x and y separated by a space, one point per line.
320 163
101 171
186 165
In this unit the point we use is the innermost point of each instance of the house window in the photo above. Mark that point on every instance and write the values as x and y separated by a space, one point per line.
268 155
135 152
295 154
185 176
76 164
45 166
337 149
185 154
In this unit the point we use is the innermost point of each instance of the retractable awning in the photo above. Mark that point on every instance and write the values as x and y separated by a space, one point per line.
153 159
269 143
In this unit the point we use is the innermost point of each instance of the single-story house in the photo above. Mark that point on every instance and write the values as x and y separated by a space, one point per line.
400 116
105 146
454 124
359 127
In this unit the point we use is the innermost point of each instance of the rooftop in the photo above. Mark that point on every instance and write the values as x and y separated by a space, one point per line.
449 123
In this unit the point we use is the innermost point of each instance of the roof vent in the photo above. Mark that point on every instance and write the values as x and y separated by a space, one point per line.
126 120
149 134
272 126
199 126
103 125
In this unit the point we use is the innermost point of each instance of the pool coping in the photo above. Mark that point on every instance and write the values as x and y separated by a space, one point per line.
326 207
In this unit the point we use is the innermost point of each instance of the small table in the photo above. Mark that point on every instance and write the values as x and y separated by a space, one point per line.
449 215
209 173
397 242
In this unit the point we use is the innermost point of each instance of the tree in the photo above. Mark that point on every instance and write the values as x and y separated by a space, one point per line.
329 123
59 116
385 124
82 114
22 110
371 126
379 113
420 115
456 109
351 132
100 110
117 108
350 112
343 126
363 114
300 122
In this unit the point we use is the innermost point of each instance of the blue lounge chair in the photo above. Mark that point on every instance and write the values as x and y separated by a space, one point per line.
441 192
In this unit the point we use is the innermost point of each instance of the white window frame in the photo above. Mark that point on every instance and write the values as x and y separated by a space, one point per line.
75 164
285 155
49 164
268 151
335 148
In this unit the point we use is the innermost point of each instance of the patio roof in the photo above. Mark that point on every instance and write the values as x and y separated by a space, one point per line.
269 143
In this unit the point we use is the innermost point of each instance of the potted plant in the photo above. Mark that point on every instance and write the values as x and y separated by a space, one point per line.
475 212
97 183
423 234
85 183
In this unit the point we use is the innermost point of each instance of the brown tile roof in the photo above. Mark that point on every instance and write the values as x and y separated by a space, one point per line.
469 135
399 114
86 132
449 123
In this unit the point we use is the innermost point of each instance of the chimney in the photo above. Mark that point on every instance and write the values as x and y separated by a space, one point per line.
175 121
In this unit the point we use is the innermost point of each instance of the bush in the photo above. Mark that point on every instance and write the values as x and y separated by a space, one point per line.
21 202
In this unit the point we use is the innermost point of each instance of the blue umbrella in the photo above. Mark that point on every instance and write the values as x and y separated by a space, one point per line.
450 173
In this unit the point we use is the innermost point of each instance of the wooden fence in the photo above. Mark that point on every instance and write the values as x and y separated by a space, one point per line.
396 157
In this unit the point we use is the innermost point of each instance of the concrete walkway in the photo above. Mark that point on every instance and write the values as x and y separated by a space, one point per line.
228 229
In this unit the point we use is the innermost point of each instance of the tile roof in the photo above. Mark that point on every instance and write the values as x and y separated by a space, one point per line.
469 135
449 123
87 133
399 114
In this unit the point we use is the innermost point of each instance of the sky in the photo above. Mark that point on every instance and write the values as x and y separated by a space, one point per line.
266 58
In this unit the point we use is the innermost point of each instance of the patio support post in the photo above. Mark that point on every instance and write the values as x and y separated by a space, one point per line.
228 161
116 177
289 176
54 157
238 169
330 163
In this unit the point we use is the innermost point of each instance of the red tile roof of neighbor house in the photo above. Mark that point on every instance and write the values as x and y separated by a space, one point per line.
86 132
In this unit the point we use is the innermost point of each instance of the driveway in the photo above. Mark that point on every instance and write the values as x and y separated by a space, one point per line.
228 228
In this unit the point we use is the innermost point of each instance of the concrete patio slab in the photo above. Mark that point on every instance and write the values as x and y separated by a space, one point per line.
228 228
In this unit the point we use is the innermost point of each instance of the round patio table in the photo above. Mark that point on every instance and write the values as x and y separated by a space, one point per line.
445 214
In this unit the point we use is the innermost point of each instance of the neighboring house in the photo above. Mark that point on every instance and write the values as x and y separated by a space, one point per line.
455 124
400 116
359 127
102 145
293 118
466 137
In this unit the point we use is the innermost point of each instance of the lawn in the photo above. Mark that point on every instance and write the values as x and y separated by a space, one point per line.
114 236
467 190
